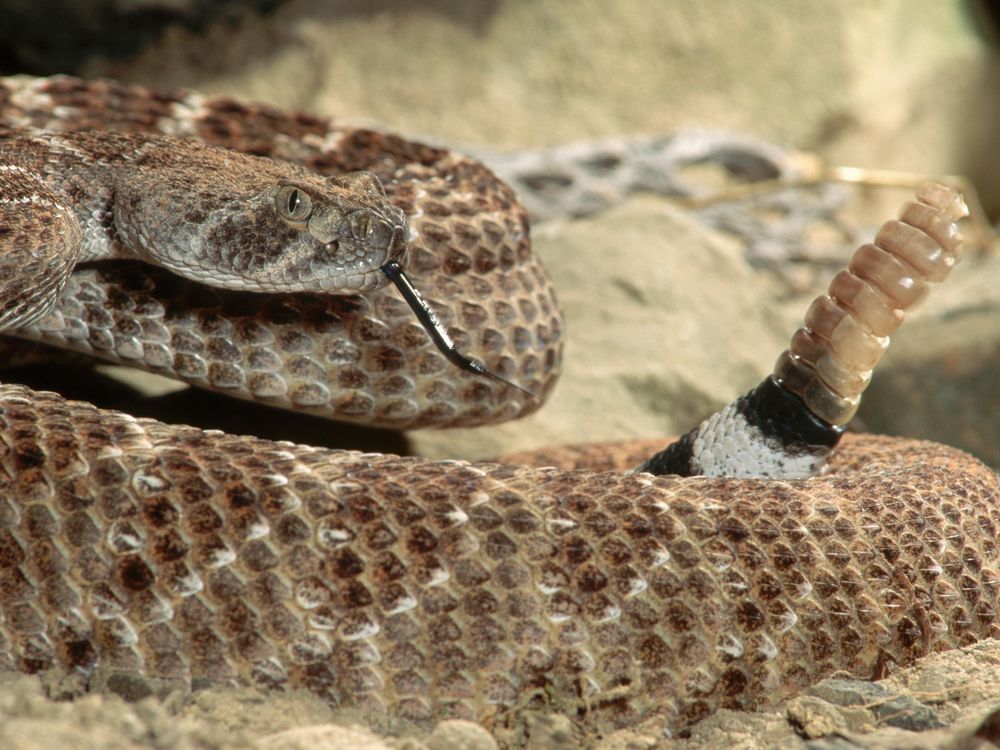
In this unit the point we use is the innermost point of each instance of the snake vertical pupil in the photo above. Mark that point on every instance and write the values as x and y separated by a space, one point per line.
293 203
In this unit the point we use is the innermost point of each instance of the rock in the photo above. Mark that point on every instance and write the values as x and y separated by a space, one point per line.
847 692
110 28
959 685
460 735
324 737
819 710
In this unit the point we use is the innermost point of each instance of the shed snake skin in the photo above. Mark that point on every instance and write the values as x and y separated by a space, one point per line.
420 590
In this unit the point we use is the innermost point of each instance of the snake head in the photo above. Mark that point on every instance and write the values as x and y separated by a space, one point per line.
259 225
346 231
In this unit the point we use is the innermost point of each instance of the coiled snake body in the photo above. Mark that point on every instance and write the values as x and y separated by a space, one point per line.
424 589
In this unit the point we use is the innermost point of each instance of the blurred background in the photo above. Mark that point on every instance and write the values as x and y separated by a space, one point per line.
908 84
673 319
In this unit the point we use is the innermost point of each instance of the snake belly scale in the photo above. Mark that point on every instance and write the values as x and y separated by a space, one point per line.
421 589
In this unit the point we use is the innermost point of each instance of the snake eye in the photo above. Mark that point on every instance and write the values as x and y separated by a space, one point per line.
292 203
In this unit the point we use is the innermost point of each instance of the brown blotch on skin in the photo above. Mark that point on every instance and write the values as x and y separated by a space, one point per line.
345 563
134 574
732 682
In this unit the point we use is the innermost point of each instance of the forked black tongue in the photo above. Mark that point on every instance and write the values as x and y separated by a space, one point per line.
436 331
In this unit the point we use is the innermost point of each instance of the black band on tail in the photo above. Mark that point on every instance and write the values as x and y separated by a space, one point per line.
775 411
782 416
677 458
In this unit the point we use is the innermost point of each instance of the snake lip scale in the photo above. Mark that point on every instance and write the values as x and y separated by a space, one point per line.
417 590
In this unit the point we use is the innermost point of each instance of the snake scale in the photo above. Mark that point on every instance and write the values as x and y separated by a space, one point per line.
411 589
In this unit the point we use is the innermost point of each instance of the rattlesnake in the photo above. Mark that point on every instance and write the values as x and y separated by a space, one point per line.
421 589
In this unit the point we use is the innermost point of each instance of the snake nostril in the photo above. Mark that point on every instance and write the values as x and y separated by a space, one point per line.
361 224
